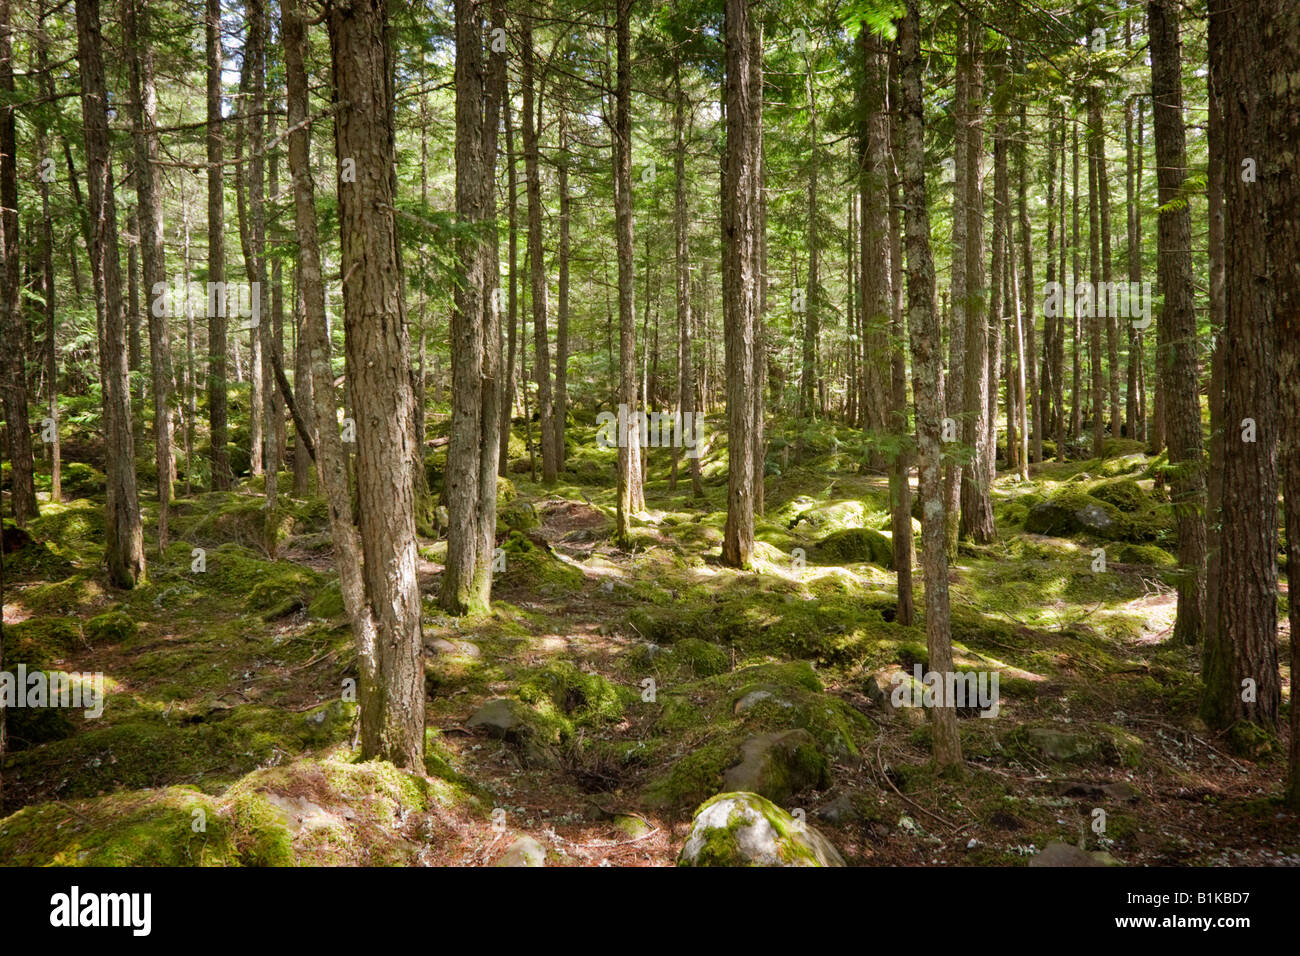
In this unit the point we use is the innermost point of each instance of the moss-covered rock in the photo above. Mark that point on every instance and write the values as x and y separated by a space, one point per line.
778 765
1124 493
573 698
530 563
855 545
312 812
744 829
518 516
111 627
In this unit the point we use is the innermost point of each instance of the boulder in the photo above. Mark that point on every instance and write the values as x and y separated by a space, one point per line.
744 829
1063 854
778 765
1060 744
524 852
857 544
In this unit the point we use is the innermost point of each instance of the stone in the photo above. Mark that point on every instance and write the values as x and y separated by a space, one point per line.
838 812
499 718
778 765
1060 744
524 852
760 694
1063 854
744 829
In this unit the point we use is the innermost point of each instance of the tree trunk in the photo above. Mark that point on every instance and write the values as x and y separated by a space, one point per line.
1279 37
976 504
13 370
873 188
144 106
376 337
1241 644
927 384
218 457
47 260
536 259
512 307
123 536
900 491
955 383
681 230
631 497
742 160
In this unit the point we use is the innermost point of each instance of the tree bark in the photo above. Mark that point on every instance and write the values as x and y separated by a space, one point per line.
144 106
123 535
378 369
13 367
1279 37
927 383
536 257
976 503
741 269
1177 347
1241 644
218 456
631 497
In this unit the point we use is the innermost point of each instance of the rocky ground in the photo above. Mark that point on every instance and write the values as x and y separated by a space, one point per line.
596 715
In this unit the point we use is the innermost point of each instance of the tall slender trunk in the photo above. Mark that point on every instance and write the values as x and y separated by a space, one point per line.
1241 644
13 369
976 503
144 106
1176 333
741 225
562 313
1028 349
631 497
476 351
1279 37
900 491
123 536
218 414
927 383
378 369
955 383
1097 302
47 260
812 314
536 260
512 306
681 230
1076 391
873 189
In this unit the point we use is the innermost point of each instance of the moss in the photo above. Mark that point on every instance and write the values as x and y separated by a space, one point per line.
856 545
37 560
77 592
328 603
519 516
79 480
157 828
530 563
111 627
700 658
155 749
39 642
560 691
1251 741
694 777
1121 746
1124 493
225 517
1148 554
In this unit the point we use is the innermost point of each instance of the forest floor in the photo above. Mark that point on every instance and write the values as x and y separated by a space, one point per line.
628 681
